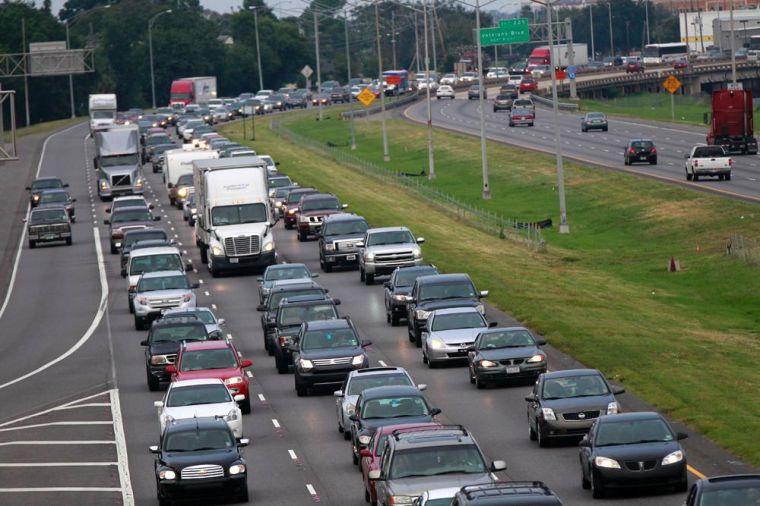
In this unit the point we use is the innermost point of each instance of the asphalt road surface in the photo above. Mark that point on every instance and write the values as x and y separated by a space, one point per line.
599 148
77 416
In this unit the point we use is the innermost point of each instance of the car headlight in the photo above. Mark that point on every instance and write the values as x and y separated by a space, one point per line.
369 256
182 192
159 360
306 365
536 359
673 458
488 363
235 380
277 203
167 474
303 219
613 408
402 500
608 463
481 308
417 253
237 469
329 246
292 211
436 344
548 414
232 415
399 297
269 246
217 250
141 300
364 439
103 185
357 361
421 314
36 197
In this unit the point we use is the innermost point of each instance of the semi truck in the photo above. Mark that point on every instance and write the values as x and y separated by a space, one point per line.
731 121
192 90
540 55
233 225
117 162
102 111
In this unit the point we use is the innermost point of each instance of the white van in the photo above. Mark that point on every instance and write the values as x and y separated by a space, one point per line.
180 162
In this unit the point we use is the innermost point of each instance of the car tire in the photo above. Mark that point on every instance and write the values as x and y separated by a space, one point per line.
626 162
280 364
543 440
585 484
172 202
288 226
479 383
605 129
153 383
471 374
326 267
584 130
653 162
395 320
140 323
68 241
361 274
597 486
531 432
369 279
418 338
354 458
695 177
727 177
114 249
301 390
32 244
245 406
302 236
242 496
163 501
688 177
204 254
511 124
367 497
347 435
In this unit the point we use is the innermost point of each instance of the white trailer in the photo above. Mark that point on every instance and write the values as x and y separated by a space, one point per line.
180 162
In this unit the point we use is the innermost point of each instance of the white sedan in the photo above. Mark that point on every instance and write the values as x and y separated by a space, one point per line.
444 91
199 398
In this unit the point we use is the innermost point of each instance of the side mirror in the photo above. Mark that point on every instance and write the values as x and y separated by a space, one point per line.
540 342
681 435
28 188
471 348
420 240
106 222
686 156
374 475
498 465
354 418
171 369
365 453
493 324
195 285
338 393
156 218
151 207
344 206
221 322
246 363
277 163
260 280
239 398
153 449
365 342
484 293
585 443
66 185
315 275
215 335
158 404
422 387
387 284
244 441
73 200
618 390
531 397
435 411
123 273
336 302
144 342
170 185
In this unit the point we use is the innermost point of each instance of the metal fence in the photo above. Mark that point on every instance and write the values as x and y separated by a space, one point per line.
492 223
745 249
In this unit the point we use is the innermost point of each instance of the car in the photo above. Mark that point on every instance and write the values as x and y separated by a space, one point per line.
436 497
502 103
449 333
163 343
58 198
444 91
449 79
539 71
338 239
439 291
732 490
325 352
278 181
48 224
469 77
504 354
524 103
312 209
322 98
640 150
178 191
473 92
521 116
277 100
153 140
637 449
159 290
128 201
386 405
515 79
162 258
291 313
156 156
528 85
594 121
271 165
200 398
278 198
132 237
200 456
383 249
634 67
190 209
399 287
361 379
213 324
681 63
510 493
298 98
186 130
127 218
416 460
278 272
339 94
511 90
518 68
43 183
282 290
290 205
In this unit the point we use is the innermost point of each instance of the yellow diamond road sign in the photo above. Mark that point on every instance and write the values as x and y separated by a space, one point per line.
671 84
366 97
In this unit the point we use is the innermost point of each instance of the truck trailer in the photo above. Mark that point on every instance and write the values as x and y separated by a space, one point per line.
540 55
731 121
192 90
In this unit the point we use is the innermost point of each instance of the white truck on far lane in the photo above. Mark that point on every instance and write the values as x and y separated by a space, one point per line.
707 160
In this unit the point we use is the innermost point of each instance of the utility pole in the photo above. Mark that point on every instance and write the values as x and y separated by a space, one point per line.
386 152
26 77
319 75
71 76
431 160
733 43
570 55
417 43
151 22
432 35
646 17
483 154
348 82
255 10
612 42
591 25
393 36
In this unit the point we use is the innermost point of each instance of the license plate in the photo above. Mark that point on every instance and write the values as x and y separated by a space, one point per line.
48 237
350 257
513 369
643 157
462 350
234 260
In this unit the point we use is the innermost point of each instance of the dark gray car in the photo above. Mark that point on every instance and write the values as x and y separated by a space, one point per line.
594 121
127 218
505 354
398 289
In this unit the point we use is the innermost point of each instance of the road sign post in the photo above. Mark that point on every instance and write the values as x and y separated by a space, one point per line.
672 84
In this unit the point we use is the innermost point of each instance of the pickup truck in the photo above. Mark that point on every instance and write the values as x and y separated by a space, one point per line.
708 161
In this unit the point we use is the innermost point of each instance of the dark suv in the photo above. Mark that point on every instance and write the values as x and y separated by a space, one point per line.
341 233
282 290
289 206
439 292
198 455
291 313
312 209
640 150
325 352
511 493
399 287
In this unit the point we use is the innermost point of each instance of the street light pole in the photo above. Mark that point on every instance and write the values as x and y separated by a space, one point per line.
646 17
432 35
733 43
612 43
255 10
386 152
483 154
591 27
393 36
319 75
71 76
431 160
416 43
564 228
348 82
151 22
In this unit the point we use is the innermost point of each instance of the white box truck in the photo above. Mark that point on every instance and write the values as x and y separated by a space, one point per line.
179 162
102 111
233 225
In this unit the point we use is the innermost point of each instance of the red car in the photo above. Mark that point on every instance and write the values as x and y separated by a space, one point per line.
634 67
680 64
528 84
312 209
371 455
213 359
521 116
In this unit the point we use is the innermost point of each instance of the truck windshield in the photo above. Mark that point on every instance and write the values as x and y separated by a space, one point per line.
117 160
235 215
103 114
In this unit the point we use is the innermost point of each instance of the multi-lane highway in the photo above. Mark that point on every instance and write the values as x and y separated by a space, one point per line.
77 416
597 148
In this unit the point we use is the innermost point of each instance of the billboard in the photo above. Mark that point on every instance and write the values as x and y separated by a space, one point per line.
52 58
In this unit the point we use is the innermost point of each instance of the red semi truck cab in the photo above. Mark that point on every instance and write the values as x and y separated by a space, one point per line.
731 124
182 92
539 56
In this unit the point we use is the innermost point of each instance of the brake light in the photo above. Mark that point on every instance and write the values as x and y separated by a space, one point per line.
730 162
631 150
654 150
696 163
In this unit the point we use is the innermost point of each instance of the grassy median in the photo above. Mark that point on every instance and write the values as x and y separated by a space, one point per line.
686 342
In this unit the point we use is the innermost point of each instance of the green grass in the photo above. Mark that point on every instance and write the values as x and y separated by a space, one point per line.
687 342
653 106
47 126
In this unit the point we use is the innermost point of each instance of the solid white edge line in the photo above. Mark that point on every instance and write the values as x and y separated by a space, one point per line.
127 496
56 464
68 405
59 489
23 232
51 442
55 424
91 330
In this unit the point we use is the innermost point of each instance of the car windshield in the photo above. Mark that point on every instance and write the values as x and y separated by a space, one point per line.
279 182
131 215
408 277
205 316
208 359
360 383
117 160
435 460
46 184
329 338
157 139
185 180
46 198
469 320
131 238
276 297
439 502
320 204
575 386
47 215
163 283
198 440
392 237
505 339
736 495
642 144
152 263
197 394
614 433
290 271
176 333
294 197
394 407
595 115
296 315
234 215
461 289
345 227
282 191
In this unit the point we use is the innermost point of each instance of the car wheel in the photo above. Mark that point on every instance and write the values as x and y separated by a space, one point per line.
204 255
597 486
68 241
114 249
172 202
604 129
585 484
471 375
153 383
346 435
288 226
695 177
279 362
653 162
354 458
584 129
302 236
688 177
367 497
245 406
543 440
418 338
683 486
32 244
163 501
728 177
531 432
479 383
369 279
361 274
395 319
301 390
242 496
511 124
625 161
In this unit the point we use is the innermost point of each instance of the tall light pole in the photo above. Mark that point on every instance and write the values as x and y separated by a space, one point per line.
71 76
386 152
151 21
733 43
416 43
591 28
431 160
255 10
646 17
348 82
612 42
319 74
483 154
432 35
393 36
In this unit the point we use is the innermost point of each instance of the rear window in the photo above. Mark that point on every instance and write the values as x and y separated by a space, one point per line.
709 151
152 263
295 315
131 238
643 144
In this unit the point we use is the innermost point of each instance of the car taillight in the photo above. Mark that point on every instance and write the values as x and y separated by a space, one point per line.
730 162
696 163
631 150
654 151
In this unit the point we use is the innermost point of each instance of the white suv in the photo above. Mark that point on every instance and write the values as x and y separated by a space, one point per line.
444 91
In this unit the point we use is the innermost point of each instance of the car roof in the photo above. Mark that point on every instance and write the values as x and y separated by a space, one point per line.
387 429
455 310
54 190
572 372
48 207
501 491
729 481
127 209
275 267
338 323
128 197
414 268
196 382
305 300
195 423
47 178
391 391
441 435
642 140
315 196
435 279
186 311
161 274
387 229
155 251
376 371
343 217
176 322
629 417
294 284
207 345
151 230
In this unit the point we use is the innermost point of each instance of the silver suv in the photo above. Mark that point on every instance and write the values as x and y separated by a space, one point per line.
384 249
160 290
416 460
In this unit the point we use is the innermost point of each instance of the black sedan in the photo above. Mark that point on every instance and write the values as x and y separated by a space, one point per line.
732 490
503 354
594 121
632 450
399 287
640 151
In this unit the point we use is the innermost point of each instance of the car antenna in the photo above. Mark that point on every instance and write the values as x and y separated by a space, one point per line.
197 428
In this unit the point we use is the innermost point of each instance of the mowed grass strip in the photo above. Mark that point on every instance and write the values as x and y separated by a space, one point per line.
687 342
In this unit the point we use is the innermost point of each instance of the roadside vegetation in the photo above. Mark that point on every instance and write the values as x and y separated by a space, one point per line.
653 106
48 126
683 341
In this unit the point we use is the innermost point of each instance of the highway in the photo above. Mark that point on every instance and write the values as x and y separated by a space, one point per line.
597 148
73 387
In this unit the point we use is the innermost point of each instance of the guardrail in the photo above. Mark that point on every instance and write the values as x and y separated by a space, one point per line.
549 102
389 104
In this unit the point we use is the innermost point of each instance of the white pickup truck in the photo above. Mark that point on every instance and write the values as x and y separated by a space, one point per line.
707 160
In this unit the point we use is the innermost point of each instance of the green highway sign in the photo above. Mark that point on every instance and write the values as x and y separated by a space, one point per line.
509 31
